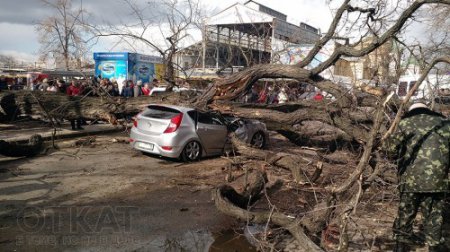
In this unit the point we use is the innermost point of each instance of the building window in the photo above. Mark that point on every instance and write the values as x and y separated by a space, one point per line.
411 85
402 88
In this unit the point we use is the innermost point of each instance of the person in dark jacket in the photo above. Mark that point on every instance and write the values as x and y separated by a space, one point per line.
112 88
61 86
421 147
3 83
137 89
127 90
43 87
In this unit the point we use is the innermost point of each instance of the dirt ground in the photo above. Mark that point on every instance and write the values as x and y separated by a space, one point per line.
96 194
105 196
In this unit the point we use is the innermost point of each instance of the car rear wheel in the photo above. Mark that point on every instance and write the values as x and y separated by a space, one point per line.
258 140
191 152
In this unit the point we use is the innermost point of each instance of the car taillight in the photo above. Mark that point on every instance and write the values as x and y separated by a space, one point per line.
135 118
174 123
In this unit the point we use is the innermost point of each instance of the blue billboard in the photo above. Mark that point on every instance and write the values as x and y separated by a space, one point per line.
125 66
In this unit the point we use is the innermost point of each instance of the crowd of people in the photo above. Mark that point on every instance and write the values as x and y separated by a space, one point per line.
267 93
85 87
11 83
90 87
272 94
128 88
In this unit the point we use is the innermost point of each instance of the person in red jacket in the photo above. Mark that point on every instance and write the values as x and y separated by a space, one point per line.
262 97
75 90
146 89
318 96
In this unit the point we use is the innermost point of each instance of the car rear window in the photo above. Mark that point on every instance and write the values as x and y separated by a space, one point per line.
160 112
193 115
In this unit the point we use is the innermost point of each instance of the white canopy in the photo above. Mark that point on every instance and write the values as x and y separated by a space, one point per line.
239 14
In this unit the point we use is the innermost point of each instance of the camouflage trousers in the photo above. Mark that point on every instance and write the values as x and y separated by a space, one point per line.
431 206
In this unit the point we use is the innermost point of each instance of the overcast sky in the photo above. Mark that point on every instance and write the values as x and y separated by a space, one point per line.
18 19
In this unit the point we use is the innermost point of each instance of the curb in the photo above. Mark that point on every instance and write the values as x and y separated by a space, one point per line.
66 135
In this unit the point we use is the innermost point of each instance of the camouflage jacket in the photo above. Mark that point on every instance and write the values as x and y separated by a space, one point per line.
421 148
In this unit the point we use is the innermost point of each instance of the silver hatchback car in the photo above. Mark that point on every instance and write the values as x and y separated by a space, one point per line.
186 133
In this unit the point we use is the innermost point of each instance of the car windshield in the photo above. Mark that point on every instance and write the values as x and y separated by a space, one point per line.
160 112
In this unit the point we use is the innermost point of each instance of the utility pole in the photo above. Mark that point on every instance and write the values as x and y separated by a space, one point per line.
204 46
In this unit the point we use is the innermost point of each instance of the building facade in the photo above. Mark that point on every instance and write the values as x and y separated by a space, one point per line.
244 35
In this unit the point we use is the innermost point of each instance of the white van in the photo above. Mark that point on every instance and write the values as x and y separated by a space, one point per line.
163 90
430 87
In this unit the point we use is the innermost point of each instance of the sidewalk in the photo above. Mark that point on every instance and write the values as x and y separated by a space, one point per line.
13 133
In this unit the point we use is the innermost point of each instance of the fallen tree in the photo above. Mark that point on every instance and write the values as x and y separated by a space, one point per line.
360 113
281 118
60 106
225 196
367 132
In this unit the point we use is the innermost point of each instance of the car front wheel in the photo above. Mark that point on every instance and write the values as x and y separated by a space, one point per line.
258 140
191 152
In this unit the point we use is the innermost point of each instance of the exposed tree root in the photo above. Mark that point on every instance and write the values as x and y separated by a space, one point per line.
224 198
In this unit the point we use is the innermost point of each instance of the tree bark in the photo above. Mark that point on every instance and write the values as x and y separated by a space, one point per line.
61 106
282 117
224 202
293 163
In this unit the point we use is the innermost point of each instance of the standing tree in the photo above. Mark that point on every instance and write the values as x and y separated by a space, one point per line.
160 25
7 61
62 34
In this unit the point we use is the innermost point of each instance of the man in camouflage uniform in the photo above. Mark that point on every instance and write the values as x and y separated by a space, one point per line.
421 145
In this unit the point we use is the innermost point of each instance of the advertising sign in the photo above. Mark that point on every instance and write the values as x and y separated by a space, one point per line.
111 69
295 54
159 71
145 71
148 58
110 56
140 67
126 66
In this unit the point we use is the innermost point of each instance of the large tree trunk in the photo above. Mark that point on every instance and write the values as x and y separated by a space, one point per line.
287 119
354 122
61 106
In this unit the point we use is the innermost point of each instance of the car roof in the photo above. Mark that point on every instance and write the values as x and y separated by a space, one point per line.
159 88
179 108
